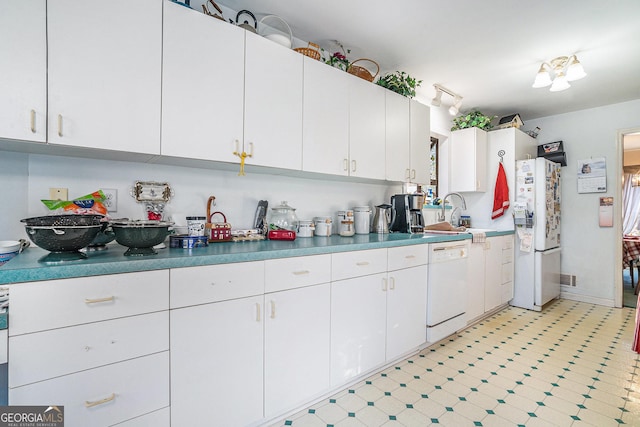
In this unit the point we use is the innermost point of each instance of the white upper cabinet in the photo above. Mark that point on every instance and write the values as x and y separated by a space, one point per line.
420 164
202 85
366 129
468 160
397 134
23 70
273 104
325 121
104 74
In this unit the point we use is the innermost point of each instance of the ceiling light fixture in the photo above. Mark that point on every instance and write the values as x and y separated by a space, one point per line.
455 108
437 100
565 70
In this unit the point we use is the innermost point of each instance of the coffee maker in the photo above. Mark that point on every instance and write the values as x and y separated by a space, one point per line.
406 214
416 202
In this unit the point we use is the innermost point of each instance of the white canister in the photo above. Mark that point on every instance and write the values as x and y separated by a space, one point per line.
362 216
305 228
323 225
345 223
195 225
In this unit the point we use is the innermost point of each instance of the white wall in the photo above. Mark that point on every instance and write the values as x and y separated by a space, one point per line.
590 252
236 196
14 178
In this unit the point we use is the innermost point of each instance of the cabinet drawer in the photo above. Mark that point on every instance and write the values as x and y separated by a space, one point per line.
160 418
289 273
407 256
507 292
49 354
358 263
211 283
105 395
507 256
507 273
55 304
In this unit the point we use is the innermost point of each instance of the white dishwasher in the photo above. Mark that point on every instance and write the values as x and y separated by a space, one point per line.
446 288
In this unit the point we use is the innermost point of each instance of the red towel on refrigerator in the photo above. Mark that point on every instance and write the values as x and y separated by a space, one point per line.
500 194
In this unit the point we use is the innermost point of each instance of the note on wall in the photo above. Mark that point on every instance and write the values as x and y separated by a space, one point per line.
606 212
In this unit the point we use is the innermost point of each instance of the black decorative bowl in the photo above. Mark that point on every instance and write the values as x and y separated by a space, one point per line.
141 236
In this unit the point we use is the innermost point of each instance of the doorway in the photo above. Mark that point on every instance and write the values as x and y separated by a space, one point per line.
630 201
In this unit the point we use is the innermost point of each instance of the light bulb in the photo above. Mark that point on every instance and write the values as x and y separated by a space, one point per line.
560 83
543 79
575 70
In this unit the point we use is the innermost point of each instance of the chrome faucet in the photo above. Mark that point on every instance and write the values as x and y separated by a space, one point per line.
441 217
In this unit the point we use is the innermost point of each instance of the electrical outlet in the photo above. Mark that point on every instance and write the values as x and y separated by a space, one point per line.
110 199
58 194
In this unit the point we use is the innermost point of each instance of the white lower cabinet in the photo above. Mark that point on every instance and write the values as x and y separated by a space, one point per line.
216 363
490 275
97 345
406 310
160 418
358 326
106 395
296 347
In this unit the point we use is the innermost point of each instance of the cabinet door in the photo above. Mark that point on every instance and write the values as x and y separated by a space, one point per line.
406 310
420 143
104 74
366 129
475 281
358 326
493 273
273 104
296 347
216 363
325 122
23 79
397 137
468 160
202 85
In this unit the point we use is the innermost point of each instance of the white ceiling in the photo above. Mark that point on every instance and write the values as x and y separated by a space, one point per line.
488 52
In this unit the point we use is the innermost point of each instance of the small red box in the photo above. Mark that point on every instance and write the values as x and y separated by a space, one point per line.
281 235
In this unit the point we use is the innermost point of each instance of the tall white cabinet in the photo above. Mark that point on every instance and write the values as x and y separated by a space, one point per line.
516 145
23 81
104 68
468 160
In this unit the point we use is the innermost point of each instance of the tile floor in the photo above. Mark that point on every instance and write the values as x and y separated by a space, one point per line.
570 365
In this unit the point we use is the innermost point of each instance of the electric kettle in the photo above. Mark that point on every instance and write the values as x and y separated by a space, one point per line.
382 218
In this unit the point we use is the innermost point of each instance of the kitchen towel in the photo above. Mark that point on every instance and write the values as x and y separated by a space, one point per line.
500 194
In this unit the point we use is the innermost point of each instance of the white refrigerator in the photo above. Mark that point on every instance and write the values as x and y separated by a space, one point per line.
537 251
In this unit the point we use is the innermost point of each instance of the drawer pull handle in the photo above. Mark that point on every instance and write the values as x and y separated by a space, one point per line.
353 166
346 165
258 312
33 121
89 404
384 284
273 309
97 300
60 125
393 283
362 263
301 272
410 256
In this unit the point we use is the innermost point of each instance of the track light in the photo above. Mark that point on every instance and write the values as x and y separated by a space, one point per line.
565 69
455 108
437 100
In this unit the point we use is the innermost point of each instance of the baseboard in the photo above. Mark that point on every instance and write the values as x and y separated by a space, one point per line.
586 298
